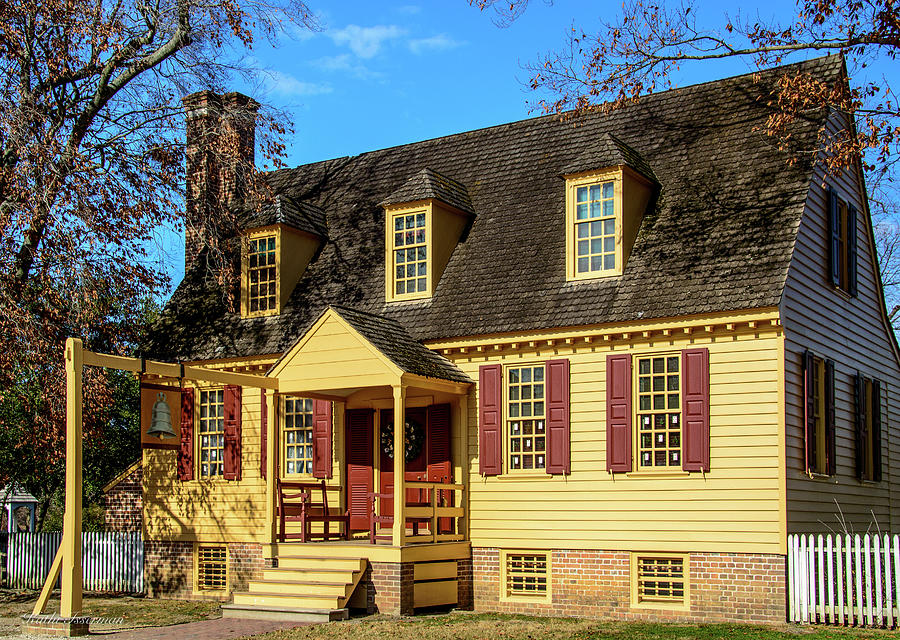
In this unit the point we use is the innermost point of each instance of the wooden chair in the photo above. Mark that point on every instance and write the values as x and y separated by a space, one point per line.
377 519
297 503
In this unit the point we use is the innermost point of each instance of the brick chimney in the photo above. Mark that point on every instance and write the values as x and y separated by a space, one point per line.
219 149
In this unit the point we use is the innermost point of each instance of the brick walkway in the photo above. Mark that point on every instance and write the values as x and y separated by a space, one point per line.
218 629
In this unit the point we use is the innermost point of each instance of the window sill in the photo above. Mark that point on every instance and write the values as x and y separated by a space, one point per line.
658 474
525 476
260 314
544 597
820 476
594 275
842 292
661 606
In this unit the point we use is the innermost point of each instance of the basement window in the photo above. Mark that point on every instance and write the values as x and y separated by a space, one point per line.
212 567
526 575
660 581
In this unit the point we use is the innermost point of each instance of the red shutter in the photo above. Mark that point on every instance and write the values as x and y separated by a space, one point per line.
558 453
231 454
263 433
695 408
360 476
322 438
186 451
830 464
809 408
438 456
876 430
618 413
490 399
834 237
859 393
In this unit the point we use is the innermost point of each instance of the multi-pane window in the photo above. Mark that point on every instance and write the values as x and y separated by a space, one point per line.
661 580
659 411
527 574
595 228
819 382
212 568
212 431
298 435
525 419
410 254
262 277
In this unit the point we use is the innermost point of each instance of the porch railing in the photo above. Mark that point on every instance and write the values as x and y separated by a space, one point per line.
441 511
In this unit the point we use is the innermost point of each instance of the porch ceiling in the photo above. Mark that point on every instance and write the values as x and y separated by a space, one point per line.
347 350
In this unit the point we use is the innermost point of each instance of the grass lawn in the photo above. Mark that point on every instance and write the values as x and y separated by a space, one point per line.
137 612
464 626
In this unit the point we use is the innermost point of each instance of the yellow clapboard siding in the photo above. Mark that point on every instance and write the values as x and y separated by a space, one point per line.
734 507
735 503
215 509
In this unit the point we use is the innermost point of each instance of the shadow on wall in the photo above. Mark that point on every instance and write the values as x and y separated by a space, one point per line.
208 510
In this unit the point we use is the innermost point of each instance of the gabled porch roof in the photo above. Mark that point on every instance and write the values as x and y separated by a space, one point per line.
346 350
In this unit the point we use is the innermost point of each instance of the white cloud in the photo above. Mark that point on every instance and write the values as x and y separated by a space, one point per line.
440 42
287 85
345 63
366 42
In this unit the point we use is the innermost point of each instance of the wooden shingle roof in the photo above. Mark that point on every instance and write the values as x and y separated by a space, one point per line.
719 238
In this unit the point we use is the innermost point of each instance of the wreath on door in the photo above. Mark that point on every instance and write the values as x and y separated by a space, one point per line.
414 440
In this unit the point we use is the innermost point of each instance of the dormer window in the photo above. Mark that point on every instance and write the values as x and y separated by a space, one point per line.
423 220
609 187
262 275
595 228
279 241
410 253
594 225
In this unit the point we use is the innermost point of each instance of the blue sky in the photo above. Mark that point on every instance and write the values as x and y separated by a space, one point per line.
389 72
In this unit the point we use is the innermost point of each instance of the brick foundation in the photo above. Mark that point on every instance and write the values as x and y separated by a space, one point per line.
246 563
122 504
169 568
723 587
389 588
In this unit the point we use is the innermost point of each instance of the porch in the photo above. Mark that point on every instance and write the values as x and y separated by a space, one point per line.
389 509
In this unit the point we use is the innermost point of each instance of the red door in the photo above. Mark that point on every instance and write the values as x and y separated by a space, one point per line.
415 469
360 475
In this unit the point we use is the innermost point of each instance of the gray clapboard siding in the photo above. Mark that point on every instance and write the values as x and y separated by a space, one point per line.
855 334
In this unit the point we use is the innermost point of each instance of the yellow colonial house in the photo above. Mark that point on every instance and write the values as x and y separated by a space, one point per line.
601 369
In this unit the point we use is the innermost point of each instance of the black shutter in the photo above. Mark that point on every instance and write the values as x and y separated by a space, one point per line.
876 430
834 237
859 392
809 410
851 249
830 464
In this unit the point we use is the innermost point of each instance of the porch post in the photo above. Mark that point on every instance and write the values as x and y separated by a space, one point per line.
70 596
399 531
271 466
461 458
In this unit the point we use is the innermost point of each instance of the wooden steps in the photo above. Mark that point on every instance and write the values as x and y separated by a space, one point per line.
302 588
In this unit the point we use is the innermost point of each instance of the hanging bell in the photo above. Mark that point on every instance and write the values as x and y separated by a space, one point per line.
161 419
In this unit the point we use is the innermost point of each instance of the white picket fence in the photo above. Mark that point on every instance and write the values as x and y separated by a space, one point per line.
844 579
112 561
